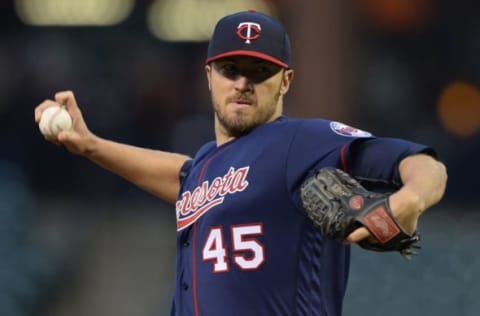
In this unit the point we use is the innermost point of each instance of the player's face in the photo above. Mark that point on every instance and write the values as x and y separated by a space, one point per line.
246 92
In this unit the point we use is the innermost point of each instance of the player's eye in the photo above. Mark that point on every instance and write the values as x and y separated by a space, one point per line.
229 71
255 73
262 72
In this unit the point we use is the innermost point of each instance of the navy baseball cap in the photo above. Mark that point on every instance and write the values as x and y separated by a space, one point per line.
250 33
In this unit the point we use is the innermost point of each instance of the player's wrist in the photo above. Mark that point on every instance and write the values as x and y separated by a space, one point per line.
90 147
406 207
407 198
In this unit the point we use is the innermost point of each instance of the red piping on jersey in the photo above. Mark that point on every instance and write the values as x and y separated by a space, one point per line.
205 165
194 242
343 159
194 270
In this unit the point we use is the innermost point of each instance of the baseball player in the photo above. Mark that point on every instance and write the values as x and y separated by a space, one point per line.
245 245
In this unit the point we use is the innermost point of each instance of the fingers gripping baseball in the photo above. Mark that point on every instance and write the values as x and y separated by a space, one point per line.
75 138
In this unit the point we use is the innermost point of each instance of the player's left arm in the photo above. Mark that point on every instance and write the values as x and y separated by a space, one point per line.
424 181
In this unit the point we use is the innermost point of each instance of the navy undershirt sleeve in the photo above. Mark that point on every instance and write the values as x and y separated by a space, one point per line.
375 161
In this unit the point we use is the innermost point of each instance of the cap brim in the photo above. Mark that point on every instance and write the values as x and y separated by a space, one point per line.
248 53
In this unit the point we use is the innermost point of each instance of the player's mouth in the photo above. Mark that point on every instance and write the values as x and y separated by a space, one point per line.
241 102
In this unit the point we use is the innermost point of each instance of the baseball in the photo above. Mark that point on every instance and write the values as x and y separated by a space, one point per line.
54 120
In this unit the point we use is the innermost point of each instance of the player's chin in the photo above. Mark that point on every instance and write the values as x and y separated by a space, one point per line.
238 125
237 130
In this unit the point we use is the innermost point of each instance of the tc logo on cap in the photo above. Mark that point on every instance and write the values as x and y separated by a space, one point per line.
248 31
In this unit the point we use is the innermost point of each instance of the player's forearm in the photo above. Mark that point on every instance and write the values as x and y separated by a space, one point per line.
152 170
424 181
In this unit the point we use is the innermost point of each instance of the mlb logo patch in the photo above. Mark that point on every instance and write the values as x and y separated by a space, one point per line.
348 131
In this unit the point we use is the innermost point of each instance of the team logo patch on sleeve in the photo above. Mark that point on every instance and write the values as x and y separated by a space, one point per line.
345 130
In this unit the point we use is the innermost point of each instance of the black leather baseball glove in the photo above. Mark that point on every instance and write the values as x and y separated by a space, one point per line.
337 204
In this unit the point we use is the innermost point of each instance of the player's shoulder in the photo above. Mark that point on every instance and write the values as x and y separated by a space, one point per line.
321 126
205 150
286 122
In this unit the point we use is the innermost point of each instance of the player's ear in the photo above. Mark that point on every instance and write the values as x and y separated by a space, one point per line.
208 72
286 80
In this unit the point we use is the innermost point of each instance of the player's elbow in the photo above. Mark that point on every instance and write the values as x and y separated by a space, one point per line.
441 171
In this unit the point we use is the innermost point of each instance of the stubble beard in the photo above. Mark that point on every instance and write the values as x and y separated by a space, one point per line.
239 123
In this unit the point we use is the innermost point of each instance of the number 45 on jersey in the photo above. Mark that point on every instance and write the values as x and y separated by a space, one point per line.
247 252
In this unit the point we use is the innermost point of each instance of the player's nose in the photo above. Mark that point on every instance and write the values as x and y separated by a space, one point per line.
242 83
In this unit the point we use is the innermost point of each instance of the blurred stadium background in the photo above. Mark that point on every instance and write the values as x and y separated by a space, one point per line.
76 240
